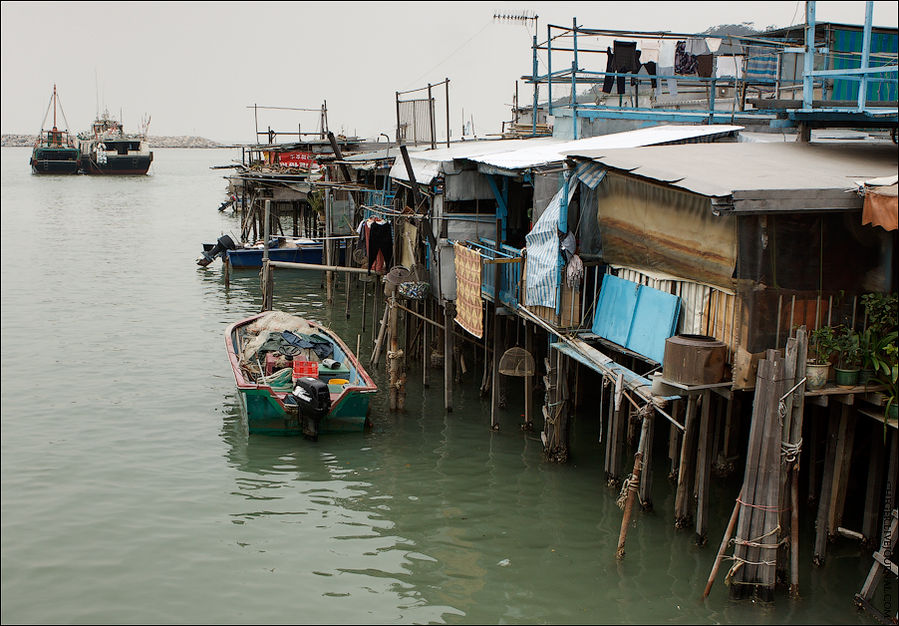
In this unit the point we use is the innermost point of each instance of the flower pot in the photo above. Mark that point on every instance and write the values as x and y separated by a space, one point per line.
845 378
893 412
865 375
816 376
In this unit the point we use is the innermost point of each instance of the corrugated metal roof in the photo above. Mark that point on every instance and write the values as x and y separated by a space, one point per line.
514 154
740 169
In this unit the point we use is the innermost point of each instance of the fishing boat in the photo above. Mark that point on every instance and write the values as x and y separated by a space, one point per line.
106 149
54 150
296 377
289 249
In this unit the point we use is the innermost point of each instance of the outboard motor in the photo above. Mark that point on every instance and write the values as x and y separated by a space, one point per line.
224 243
314 401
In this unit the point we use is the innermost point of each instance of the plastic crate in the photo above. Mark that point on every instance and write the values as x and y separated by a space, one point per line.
304 369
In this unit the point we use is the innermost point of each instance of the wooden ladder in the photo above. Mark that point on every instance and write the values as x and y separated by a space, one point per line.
883 563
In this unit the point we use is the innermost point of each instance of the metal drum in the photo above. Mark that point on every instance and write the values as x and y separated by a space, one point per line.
694 360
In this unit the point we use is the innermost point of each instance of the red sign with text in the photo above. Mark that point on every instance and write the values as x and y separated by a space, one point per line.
296 159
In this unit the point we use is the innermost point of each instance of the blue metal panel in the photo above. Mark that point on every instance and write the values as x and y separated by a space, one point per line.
655 319
635 316
615 309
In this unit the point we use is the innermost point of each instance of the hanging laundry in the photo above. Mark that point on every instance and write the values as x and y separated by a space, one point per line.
666 53
575 272
684 62
379 245
697 46
649 69
729 67
623 58
705 65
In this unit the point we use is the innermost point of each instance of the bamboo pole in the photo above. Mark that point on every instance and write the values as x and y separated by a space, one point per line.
728 533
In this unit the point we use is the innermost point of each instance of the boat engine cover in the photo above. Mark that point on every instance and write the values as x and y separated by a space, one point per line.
314 402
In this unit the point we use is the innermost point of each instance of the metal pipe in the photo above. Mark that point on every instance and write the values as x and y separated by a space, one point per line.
866 51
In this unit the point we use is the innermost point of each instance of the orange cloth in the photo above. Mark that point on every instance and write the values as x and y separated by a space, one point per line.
469 306
881 207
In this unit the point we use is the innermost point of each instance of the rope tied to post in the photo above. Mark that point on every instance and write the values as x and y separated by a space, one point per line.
631 483
790 451
782 404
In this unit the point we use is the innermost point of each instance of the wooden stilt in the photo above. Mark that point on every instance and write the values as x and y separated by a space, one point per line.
364 298
346 311
646 477
449 311
425 349
226 265
497 353
379 344
871 517
842 463
683 498
813 460
528 381
703 470
821 529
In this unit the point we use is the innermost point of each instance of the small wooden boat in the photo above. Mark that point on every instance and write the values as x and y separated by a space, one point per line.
296 377
289 249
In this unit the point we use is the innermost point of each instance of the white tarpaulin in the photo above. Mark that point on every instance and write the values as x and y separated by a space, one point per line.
544 265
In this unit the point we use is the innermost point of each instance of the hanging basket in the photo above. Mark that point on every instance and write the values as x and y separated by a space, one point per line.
517 362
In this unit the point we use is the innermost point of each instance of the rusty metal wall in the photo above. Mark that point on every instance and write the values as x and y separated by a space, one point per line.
651 227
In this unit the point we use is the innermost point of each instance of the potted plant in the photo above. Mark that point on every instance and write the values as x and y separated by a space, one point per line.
888 377
880 331
846 346
820 349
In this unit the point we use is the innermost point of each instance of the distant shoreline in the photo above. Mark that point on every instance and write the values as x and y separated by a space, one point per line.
183 141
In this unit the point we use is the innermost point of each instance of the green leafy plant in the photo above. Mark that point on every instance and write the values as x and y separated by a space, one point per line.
881 310
846 346
880 330
822 345
889 377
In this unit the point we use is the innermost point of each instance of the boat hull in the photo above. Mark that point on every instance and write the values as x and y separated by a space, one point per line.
118 165
50 166
266 411
54 161
252 257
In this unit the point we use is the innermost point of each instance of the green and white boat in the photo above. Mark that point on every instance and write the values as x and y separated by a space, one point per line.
296 377
54 150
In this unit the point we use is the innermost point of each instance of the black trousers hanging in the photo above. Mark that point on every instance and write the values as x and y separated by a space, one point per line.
380 238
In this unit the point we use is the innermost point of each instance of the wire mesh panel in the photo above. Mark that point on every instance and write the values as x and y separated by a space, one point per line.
416 121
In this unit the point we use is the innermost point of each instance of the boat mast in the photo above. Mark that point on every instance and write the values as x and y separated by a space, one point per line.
54 106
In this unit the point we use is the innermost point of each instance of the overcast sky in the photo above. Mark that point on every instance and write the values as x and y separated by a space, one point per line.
195 67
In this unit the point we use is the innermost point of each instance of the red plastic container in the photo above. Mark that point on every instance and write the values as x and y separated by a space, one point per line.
303 369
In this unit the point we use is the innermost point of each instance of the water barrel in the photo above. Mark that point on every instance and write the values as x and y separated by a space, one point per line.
694 360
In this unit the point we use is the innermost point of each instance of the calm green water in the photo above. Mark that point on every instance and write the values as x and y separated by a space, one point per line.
131 492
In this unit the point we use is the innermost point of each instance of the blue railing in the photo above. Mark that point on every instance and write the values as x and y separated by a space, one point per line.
509 273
